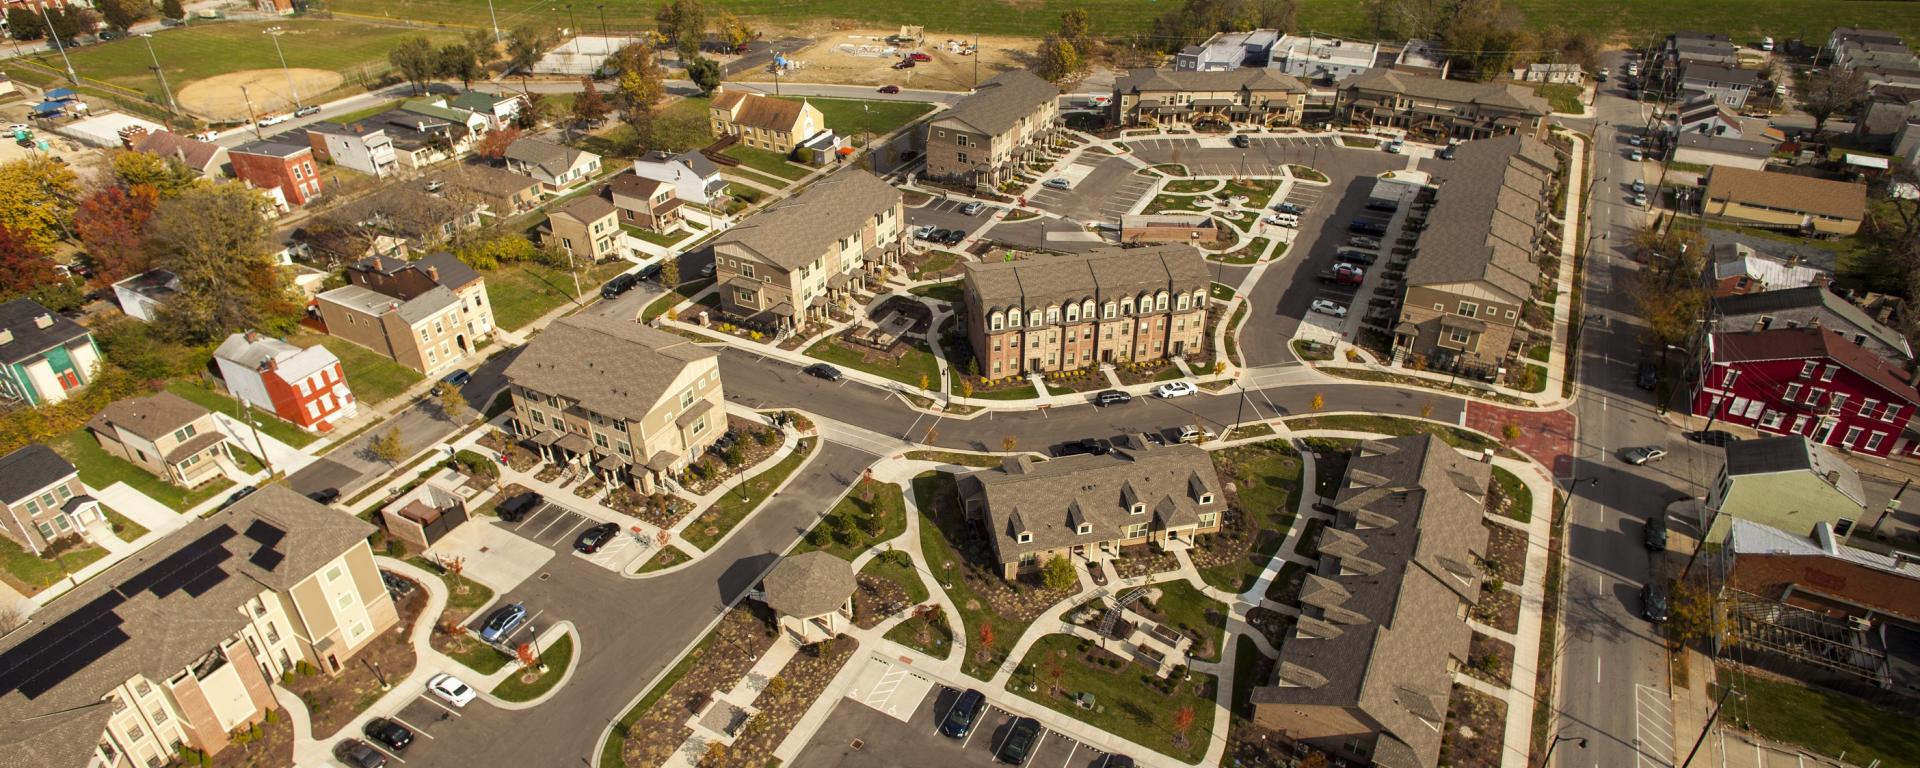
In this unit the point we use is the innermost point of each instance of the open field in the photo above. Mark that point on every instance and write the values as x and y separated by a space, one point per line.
1633 19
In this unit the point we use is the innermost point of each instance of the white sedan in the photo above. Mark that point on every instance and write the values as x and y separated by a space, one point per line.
1326 307
1174 389
1282 220
451 690
16 128
273 120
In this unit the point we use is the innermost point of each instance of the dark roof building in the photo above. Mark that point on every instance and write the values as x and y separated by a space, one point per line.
28 470
44 357
1811 306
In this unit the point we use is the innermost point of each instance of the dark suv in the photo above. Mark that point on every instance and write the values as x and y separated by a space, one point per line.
511 510
389 733
618 285
1112 397
963 714
1656 533
1094 445
356 753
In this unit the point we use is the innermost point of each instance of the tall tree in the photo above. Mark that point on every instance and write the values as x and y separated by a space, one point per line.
525 45
589 109
167 176
121 14
705 74
70 20
1406 19
1832 91
24 266
1667 290
1076 27
1484 36
25 24
36 200
112 224
172 9
682 22
416 60
215 239
460 62
1057 59
493 146
640 82
732 29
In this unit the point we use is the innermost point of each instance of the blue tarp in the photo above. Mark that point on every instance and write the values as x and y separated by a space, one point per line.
60 93
49 107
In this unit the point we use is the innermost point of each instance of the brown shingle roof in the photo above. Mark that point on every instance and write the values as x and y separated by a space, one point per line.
588 208
998 104
1482 225
801 228
764 112
1787 192
613 367
809 584
1797 343
1048 500
1101 274
151 417
1504 95
196 154
1250 78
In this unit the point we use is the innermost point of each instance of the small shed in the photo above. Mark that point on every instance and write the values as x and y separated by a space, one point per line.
425 514
811 595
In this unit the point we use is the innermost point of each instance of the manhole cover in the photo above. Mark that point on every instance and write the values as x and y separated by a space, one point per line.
545 576
857 744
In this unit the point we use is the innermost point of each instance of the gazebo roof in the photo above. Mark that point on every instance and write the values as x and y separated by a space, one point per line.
809 584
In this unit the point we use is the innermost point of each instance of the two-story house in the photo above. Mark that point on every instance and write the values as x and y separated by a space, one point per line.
1727 85
204 158
42 500
1249 95
633 404
1689 47
1090 506
1436 109
763 122
44 357
1790 483
1475 268
984 138
649 204
500 109
1810 306
794 262
426 314
284 170
1806 381
503 192
179 644
587 226
1109 305
360 145
1738 269
305 386
165 434
694 177
557 167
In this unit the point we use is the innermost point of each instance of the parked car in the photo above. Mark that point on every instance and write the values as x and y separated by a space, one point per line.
1327 307
1716 437
399 585
1635 155
1383 206
963 714
1656 532
451 690
503 621
1394 147
1367 227
1603 74
903 64
1362 241
1057 183
458 378
1642 454
889 89
1019 743
1634 140
1241 141
618 285
592 539
1112 397
649 273
1114 760
1647 376
325 495
392 734
973 208
513 509
310 109
706 270
823 371
1653 603
925 231
918 56
245 491
1446 152
1640 200
938 235
1639 185
954 236
1282 220
1174 389
1094 445
357 754
1191 433
1355 256
1291 208
273 120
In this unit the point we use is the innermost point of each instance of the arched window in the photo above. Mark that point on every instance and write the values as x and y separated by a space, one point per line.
1199 299
998 319
1073 313
1086 309
1126 306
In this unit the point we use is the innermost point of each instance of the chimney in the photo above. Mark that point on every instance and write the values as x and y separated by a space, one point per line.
252 337
378 265
43 322
433 273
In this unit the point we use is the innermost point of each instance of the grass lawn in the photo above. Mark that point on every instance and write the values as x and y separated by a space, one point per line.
903 575
1562 97
950 291
458 602
742 172
667 557
1266 478
937 262
1128 701
1176 203
767 162
1304 173
1522 496
1221 291
1258 191
1190 610
99 470
918 361
946 561
29 573
557 658
723 515
521 293
1244 654
1824 721
843 531
478 656
127 530
373 379
851 117
269 425
685 291
202 50
665 241
938 630
368 112
1190 186
1389 425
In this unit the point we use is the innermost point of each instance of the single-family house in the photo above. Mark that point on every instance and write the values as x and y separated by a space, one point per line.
141 296
500 109
44 357
1728 85
284 170
204 158
695 178
362 145
557 167
763 122
426 314
503 192
42 500
649 204
165 434
305 386
1811 306
587 226
1730 151
1738 269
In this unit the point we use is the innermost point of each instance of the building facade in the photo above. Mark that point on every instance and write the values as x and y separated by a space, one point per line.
694 177
43 502
1789 483
587 226
44 357
305 386
1729 86
283 169
1254 95
649 204
763 122
1784 201
166 435
1812 306
1435 109
1806 381
1323 59
426 314
1063 313
986 136
797 261
361 146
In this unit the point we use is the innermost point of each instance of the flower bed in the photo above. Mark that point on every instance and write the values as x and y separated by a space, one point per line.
928 632
1490 659
657 727
749 442
1498 608
1506 552
1144 560
662 510
785 699
1475 730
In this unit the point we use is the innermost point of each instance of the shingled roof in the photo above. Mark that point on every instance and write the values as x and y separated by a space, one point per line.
1787 192
1508 96
998 104
1378 634
27 337
613 367
1100 274
808 584
1812 343
801 228
152 417
1483 222
1838 312
753 110
1049 500
29 469
1249 78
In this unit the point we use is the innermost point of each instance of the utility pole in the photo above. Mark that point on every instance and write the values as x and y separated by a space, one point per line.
274 32
496 22
606 43
1709 726
161 73
250 115
258 445
976 60
71 77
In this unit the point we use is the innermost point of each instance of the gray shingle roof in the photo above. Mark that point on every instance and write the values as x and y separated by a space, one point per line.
809 584
1101 274
552 158
29 339
1727 144
151 417
374 303
1049 499
1482 224
484 179
1504 95
588 208
1788 453
1250 78
613 367
160 609
30 469
1395 629
1840 313
1717 73
801 228
998 104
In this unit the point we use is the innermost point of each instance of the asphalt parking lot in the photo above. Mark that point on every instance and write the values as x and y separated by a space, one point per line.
557 527
1104 188
945 214
1262 156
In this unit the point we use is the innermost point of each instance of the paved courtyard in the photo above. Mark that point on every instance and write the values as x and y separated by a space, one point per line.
1104 188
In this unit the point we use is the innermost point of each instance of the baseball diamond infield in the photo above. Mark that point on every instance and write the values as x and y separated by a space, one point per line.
222 97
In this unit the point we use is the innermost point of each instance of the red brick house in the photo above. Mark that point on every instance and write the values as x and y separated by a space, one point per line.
305 386
1807 381
278 165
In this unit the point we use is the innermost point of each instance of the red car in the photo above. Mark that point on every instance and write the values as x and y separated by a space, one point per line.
918 56
889 89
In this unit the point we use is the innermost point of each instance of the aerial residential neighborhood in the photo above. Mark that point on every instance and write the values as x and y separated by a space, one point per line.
713 384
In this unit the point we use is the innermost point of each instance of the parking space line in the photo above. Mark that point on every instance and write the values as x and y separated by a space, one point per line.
1070 751
436 702
417 730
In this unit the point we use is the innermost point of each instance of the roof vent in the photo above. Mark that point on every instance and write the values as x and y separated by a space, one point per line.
6 336
43 321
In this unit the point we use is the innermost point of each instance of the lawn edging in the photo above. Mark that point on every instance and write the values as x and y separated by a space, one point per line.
567 651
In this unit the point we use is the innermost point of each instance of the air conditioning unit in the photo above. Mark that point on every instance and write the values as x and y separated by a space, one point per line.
1859 623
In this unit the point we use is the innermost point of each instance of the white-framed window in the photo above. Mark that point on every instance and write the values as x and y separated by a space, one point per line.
1053 315
1738 406
1853 436
1139 508
1728 376
1867 407
333 574
1828 372
1206 498
1771 419
345 599
1026 537
1209 519
1110 310
1807 368
1793 391
1085 528
1890 413
998 321
1469 309
1873 440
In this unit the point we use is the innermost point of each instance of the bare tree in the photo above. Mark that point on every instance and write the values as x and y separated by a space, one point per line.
1831 92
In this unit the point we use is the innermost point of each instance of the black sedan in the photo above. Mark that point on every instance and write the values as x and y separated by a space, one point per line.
356 753
1089 445
619 285
1112 397
823 371
389 733
1020 741
592 539
1714 437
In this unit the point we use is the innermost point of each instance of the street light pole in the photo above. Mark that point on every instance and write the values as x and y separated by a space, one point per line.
1547 759
164 88
71 77
274 32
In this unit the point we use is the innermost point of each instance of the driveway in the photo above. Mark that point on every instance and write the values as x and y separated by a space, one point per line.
944 213
1263 156
1103 189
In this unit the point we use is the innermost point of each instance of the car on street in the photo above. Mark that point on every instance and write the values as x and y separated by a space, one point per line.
1635 155
889 89
1653 603
1362 241
918 56
1282 220
1647 376
1291 208
1714 437
823 371
1327 307
513 509
1097 446
1019 742
1640 455
503 621
1394 147
451 690
1191 433
398 585
1174 389
273 120
973 208
1635 141
592 539
1640 200
1241 141
963 714
355 753
245 491
1639 185
903 64
618 285
1112 397
1656 532
310 109
1057 183
458 378
389 733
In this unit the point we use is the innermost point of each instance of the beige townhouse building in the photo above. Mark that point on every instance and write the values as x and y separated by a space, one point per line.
427 314
763 122
629 403
1111 305
792 264
984 138
42 500
587 226
178 645
1433 109
165 434
1248 95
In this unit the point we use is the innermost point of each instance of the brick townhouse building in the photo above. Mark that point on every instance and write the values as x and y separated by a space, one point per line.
1112 305
1813 382
306 386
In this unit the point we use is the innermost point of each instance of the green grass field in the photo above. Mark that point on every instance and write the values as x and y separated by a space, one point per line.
853 117
372 378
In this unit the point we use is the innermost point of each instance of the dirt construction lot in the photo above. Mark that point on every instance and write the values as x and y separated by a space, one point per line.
221 97
860 56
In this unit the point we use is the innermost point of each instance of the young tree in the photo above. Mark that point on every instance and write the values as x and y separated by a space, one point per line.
493 146
1484 36
682 22
966 387
1183 722
1318 402
732 29
166 175
23 265
589 109
215 239
453 405
112 224
1009 443
172 9
924 381
1057 58
715 755
1058 573
670 273
389 447
1831 92
986 642
36 197
417 62
640 83
460 62
705 74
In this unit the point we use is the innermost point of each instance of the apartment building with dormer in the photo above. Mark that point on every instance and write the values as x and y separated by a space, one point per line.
794 263
1107 306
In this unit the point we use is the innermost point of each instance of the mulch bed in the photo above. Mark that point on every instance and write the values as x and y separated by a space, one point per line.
1231 544
1273 625
518 456
806 676
1019 600
1143 560
334 700
754 442
873 599
1476 726
1506 552
1499 609
1141 372
1491 659
662 510
739 640
268 744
